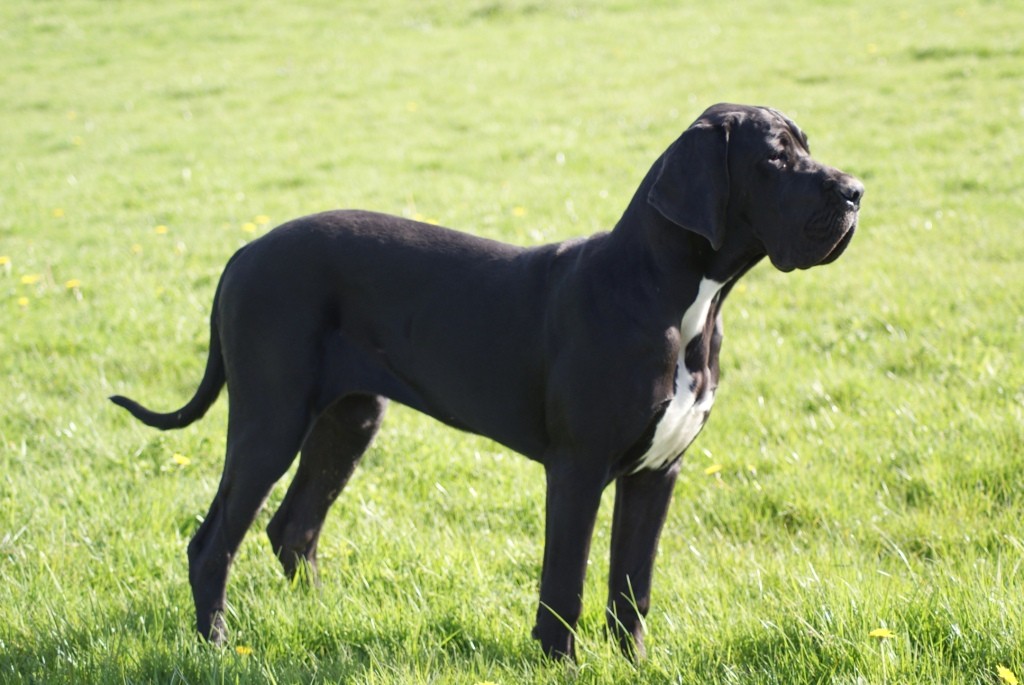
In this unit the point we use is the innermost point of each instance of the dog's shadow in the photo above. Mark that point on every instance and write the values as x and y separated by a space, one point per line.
146 643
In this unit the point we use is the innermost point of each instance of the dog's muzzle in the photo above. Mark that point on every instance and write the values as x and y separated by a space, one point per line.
844 241
850 190
840 220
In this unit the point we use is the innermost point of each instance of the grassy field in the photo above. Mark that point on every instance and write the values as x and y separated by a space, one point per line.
864 467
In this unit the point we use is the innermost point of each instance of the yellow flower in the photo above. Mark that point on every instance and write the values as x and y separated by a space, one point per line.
181 459
1007 676
519 211
261 219
31 279
882 634
249 227
243 650
58 213
77 141
713 469
136 249
160 230
4 260
411 106
72 284
22 301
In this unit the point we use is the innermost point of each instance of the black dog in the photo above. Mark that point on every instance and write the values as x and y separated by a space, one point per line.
597 357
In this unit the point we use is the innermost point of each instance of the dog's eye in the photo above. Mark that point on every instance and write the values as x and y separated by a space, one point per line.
779 158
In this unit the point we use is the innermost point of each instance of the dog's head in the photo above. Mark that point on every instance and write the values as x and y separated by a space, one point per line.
745 175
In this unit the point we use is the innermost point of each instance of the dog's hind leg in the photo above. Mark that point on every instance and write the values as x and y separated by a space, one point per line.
261 446
329 456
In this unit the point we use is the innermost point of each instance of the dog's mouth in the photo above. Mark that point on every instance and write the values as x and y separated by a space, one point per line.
826 245
841 229
843 243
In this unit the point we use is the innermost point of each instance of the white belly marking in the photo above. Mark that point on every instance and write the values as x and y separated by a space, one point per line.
686 413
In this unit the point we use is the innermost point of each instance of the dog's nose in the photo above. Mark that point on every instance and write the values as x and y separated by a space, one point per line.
848 187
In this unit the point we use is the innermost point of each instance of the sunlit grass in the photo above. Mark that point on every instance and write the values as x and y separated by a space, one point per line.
850 515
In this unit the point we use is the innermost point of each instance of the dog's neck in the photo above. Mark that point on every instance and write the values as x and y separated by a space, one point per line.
677 259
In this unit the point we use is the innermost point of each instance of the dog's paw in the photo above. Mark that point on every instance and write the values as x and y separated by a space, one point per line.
556 639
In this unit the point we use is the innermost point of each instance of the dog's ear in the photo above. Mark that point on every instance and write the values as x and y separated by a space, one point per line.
692 188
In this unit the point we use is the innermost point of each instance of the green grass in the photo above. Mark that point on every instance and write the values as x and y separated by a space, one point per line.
870 424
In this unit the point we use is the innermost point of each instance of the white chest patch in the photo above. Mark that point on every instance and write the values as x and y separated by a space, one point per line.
687 411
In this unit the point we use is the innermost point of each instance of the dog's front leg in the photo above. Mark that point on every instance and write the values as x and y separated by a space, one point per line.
641 504
573 497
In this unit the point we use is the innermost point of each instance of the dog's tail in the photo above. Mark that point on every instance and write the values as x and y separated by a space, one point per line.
209 388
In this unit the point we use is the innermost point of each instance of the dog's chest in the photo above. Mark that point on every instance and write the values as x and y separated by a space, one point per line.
694 391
